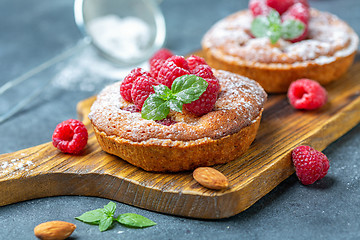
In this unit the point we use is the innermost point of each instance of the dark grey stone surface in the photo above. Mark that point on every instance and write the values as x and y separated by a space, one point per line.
34 31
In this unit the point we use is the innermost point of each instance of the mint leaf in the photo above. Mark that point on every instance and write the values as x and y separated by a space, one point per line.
92 217
155 108
259 27
274 18
134 220
176 105
104 218
292 29
110 208
272 27
185 89
274 33
105 223
163 91
188 88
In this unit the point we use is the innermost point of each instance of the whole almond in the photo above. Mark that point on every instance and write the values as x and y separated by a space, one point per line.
210 178
54 230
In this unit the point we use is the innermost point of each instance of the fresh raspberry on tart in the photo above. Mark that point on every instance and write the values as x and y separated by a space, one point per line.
259 7
203 71
163 54
207 100
175 66
127 83
155 66
141 90
194 61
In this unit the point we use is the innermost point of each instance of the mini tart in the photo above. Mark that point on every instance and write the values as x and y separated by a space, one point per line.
325 55
217 137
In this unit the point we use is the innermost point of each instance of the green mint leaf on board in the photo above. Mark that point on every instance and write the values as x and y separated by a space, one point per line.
110 208
272 27
105 223
134 220
92 217
188 88
155 108
292 29
185 89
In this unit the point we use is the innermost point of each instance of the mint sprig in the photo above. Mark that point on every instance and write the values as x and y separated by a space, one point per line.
104 217
271 26
134 220
184 89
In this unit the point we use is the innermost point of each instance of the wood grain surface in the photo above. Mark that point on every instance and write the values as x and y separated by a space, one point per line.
43 171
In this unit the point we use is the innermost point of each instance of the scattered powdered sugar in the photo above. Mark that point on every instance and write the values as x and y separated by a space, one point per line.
15 165
124 38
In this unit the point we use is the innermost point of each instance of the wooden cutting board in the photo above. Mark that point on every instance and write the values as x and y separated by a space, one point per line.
43 171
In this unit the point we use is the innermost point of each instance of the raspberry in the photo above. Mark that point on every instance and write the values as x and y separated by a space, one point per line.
194 61
142 88
301 13
306 94
207 100
297 11
162 54
258 7
70 136
175 66
155 66
203 71
127 83
310 164
280 5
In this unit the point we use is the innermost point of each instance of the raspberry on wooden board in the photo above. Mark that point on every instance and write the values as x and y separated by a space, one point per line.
70 136
306 94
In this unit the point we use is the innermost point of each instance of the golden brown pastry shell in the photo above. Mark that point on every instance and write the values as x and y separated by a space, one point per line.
161 155
277 80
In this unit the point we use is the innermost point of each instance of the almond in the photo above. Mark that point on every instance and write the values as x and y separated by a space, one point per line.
210 178
54 230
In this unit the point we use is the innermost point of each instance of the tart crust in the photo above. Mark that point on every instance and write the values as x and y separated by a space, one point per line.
325 56
214 138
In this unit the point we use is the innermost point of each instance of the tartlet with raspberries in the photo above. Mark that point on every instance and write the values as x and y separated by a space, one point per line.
276 42
178 116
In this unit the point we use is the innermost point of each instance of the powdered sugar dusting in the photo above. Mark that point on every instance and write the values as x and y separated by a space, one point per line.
15 166
239 104
328 38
